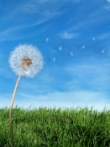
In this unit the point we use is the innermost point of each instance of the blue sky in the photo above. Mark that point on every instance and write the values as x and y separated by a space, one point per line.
73 38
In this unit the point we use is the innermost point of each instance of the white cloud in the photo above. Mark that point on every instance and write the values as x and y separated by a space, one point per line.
39 7
108 1
14 32
107 7
74 97
43 1
60 99
92 18
29 8
10 33
67 35
103 36
94 76
75 1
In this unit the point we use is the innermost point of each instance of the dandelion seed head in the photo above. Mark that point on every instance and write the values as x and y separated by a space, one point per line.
26 59
26 62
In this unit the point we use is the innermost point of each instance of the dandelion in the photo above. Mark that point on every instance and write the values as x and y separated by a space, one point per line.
25 60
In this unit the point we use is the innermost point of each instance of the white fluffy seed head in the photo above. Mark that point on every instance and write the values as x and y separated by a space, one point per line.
26 59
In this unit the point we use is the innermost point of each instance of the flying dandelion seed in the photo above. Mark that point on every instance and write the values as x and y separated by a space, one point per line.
71 54
60 48
47 39
25 60
103 51
83 47
93 38
54 59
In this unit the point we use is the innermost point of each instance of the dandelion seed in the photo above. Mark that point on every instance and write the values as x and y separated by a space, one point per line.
93 38
60 48
103 51
71 54
83 47
47 39
54 59
25 60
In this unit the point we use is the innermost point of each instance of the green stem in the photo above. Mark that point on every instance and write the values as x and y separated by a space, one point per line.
10 113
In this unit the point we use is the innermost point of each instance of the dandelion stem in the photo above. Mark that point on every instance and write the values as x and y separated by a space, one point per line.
11 107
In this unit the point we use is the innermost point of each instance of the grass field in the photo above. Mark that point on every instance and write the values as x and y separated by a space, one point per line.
50 127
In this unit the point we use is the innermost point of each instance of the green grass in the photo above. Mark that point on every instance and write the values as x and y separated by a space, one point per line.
47 127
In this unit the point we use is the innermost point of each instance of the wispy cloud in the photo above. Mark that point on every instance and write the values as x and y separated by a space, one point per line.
103 36
41 84
75 1
43 13
33 8
88 17
11 33
108 1
62 100
107 7
66 99
92 76
14 33
67 35
44 1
